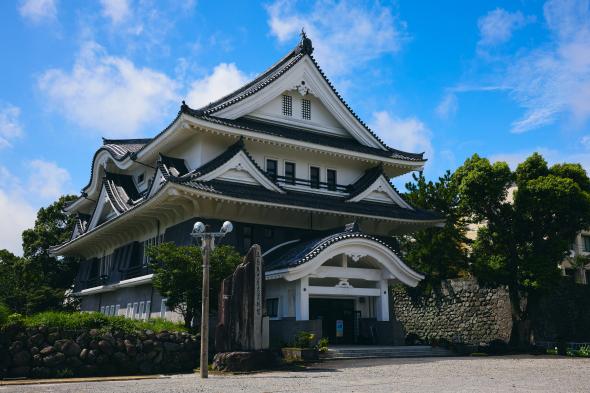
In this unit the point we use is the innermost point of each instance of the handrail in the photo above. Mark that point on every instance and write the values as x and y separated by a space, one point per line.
308 183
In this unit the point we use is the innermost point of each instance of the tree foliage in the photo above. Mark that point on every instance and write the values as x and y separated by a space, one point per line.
37 281
531 216
438 252
178 275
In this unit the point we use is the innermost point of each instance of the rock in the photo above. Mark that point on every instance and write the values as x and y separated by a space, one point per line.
243 361
73 362
53 337
19 372
148 345
33 351
36 340
84 353
163 335
54 359
47 350
40 372
102 359
22 358
83 340
171 347
105 346
16 346
120 358
38 360
70 348
94 332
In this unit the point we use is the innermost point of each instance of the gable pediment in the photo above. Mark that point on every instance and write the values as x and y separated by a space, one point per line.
241 169
104 210
302 80
381 191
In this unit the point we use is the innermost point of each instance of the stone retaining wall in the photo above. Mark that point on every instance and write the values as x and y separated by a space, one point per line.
460 311
42 352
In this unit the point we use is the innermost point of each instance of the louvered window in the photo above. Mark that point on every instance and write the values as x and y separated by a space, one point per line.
287 105
306 109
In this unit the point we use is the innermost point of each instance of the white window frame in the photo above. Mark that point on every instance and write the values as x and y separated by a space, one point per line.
278 316
283 105
141 310
319 175
129 310
303 100
336 184
102 308
135 310
266 158
117 308
285 162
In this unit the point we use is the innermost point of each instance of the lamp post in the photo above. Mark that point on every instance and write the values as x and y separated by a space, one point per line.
201 231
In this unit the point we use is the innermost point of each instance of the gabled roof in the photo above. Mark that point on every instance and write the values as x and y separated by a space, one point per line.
303 49
299 252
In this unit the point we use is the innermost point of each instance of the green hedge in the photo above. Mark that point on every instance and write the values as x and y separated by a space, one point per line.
86 320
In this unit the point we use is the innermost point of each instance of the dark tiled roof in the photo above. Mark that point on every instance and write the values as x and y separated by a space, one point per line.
309 200
121 191
298 253
121 148
365 181
177 163
307 136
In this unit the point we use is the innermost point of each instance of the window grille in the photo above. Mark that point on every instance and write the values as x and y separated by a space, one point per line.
106 264
287 105
135 311
290 172
272 168
148 306
586 240
331 179
129 311
306 109
272 307
314 177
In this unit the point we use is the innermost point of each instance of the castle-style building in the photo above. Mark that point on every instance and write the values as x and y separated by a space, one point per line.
296 171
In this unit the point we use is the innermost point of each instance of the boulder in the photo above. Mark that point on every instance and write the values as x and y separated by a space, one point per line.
171 347
54 359
36 340
47 350
73 362
243 361
70 348
105 346
22 358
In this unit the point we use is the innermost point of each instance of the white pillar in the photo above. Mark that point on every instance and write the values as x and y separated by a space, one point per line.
383 301
302 300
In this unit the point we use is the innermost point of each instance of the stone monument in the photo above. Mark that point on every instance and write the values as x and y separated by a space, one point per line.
241 335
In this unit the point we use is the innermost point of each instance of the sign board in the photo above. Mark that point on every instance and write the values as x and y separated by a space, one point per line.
339 328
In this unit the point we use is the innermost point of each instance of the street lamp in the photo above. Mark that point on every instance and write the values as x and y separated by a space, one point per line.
201 231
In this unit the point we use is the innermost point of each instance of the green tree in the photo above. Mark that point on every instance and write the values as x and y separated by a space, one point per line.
178 275
531 216
438 252
37 281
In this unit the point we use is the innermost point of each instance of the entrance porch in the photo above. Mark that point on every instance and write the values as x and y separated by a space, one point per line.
340 280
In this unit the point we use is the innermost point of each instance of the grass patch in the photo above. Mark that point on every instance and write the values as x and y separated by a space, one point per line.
92 320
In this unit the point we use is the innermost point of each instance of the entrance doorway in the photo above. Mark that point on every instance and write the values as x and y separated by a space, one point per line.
339 319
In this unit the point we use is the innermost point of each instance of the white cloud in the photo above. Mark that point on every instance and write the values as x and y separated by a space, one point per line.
555 79
345 35
38 10
116 10
408 134
107 93
21 198
224 79
447 106
10 126
47 179
497 26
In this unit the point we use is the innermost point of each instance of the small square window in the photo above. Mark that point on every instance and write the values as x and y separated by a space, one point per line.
331 179
306 109
314 177
287 105
290 172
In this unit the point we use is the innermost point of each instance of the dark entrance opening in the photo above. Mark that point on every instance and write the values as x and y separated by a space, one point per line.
331 311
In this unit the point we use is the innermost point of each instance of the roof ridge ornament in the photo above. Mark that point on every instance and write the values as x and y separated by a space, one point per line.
352 227
305 44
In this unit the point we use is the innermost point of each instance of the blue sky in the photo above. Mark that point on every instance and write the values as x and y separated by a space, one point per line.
500 78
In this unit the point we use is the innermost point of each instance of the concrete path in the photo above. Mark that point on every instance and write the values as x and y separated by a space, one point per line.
457 374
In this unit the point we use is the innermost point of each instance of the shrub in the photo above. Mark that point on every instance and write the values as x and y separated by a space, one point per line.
91 320
4 313
322 344
304 340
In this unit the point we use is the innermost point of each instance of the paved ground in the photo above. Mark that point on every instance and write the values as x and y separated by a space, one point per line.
491 374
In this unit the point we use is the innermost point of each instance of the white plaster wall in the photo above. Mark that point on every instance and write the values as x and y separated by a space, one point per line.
321 119
285 292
